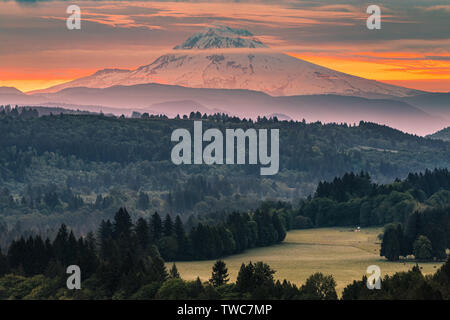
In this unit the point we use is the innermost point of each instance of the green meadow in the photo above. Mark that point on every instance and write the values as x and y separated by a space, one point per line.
342 252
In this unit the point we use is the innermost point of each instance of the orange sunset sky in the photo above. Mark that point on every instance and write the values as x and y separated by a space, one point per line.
412 49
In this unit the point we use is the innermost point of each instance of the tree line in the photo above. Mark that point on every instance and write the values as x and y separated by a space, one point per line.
121 241
254 281
426 235
415 211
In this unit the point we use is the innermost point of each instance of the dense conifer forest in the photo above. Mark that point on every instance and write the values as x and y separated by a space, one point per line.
79 169
101 192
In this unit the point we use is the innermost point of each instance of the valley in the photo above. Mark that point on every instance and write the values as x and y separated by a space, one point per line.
342 252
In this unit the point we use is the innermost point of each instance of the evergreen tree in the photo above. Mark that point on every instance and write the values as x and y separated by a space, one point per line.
60 245
179 229
159 269
142 233
245 280
156 227
195 289
168 226
105 236
391 244
72 250
182 239
3 264
88 257
281 232
219 274
122 224
173 273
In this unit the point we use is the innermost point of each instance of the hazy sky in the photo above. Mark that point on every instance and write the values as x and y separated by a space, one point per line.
411 49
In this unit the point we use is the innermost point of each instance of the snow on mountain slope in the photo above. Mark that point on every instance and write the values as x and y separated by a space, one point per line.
275 74
257 69
221 37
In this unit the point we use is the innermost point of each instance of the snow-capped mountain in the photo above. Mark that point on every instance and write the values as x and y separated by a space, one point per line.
252 67
221 37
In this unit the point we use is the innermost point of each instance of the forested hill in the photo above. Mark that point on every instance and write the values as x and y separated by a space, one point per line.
443 134
81 168
314 148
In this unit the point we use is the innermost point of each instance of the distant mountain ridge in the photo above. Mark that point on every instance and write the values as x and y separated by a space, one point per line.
10 90
172 100
443 134
434 103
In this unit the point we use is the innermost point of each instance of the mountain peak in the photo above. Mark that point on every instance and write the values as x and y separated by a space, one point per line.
220 36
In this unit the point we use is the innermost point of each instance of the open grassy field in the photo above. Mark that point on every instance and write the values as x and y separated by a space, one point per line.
342 252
